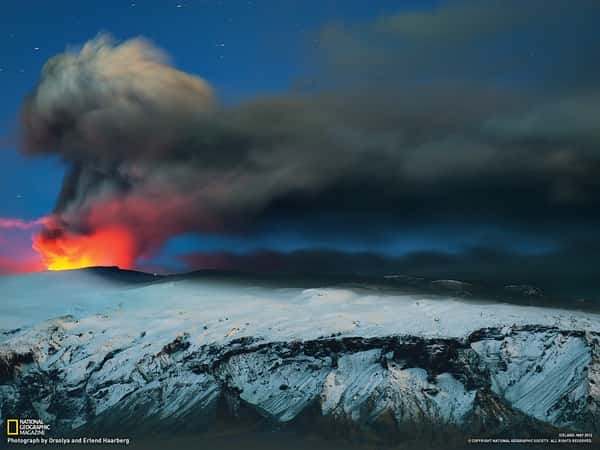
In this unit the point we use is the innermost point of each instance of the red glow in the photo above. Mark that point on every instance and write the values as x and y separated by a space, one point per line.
13 266
112 246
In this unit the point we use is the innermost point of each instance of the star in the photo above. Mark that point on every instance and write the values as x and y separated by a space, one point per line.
36 48
221 44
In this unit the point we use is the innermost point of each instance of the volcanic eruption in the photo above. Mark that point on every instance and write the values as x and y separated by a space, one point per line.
62 250
151 154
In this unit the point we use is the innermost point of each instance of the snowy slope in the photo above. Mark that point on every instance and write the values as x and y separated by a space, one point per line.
80 350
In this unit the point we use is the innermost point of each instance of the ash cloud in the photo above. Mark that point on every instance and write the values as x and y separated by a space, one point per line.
410 122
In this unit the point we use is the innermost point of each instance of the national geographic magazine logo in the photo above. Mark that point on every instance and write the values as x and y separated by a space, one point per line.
12 427
26 427
33 432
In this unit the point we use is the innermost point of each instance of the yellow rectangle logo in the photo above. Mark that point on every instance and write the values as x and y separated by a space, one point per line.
12 427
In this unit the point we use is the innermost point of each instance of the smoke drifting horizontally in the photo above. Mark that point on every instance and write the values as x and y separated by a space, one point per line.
152 153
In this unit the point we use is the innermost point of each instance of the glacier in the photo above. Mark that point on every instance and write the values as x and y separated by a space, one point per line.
89 352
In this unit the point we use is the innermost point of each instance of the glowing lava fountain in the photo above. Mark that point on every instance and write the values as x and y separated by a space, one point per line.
113 246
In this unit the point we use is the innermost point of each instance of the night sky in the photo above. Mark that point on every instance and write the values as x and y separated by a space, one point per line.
430 137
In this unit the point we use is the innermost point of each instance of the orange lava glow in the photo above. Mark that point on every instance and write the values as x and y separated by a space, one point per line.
105 247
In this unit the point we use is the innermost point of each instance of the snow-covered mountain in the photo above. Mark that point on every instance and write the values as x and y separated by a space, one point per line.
97 350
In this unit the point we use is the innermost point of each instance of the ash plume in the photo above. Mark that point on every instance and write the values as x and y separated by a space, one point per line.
150 148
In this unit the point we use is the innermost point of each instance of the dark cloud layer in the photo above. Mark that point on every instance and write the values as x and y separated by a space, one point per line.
464 114
569 272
